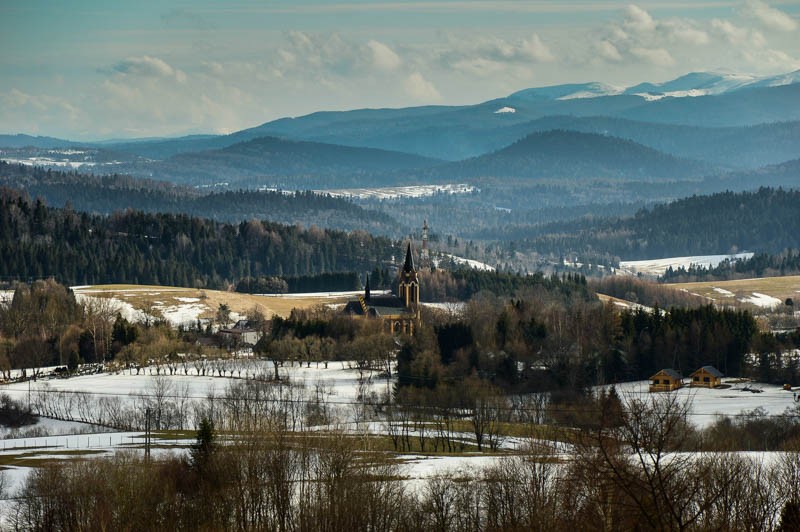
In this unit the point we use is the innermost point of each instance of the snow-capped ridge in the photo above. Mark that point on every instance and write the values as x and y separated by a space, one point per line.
692 84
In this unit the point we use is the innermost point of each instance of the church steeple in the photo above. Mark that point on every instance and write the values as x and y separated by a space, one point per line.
408 289
408 267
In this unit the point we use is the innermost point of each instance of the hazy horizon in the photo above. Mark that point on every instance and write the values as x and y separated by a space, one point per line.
88 70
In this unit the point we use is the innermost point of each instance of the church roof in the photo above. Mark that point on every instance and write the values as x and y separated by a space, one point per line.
408 267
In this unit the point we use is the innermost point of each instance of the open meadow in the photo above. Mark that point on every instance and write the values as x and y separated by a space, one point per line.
182 306
765 292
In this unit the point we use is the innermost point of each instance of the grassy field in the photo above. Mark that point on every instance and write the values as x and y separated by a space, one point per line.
143 297
734 291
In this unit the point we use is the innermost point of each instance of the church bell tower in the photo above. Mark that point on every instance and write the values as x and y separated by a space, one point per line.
409 282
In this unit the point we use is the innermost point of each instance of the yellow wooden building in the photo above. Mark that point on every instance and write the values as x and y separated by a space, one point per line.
666 380
706 377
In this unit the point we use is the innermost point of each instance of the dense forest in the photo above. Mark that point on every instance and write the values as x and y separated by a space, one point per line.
107 194
764 220
323 282
136 247
759 265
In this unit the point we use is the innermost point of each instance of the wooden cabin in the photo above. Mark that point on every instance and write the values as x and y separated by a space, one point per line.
666 380
706 377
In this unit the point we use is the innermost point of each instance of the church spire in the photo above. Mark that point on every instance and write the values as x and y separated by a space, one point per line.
408 267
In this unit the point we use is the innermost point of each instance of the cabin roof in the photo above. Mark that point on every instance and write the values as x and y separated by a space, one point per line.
709 369
668 372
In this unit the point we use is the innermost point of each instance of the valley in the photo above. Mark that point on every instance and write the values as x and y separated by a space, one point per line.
486 297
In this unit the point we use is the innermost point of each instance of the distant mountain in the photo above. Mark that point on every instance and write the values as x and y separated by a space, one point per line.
730 147
279 162
710 83
574 155
454 133
739 108
24 141
567 92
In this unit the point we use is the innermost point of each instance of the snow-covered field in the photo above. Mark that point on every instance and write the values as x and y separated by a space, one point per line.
468 262
339 386
417 191
762 300
708 404
657 267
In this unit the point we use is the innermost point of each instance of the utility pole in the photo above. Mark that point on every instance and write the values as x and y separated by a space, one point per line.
147 435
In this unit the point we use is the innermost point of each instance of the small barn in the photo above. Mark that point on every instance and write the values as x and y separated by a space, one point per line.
666 380
706 377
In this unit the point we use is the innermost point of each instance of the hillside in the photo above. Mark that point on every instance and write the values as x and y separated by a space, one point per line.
278 162
140 248
574 155
104 195
740 108
731 147
764 220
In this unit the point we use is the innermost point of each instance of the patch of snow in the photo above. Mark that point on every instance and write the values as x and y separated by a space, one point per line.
762 300
659 266
722 291
456 307
418 191
123 307
178 315
469 262
707 404
188 299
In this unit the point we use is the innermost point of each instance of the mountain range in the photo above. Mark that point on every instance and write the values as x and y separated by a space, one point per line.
699 124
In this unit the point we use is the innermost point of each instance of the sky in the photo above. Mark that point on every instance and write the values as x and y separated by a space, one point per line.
100 69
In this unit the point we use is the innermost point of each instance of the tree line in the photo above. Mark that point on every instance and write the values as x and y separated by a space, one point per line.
323 282
764 220
115 192
786 262
166 249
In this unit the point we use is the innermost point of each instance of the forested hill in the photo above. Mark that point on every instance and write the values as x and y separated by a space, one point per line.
271 160
106 194
764 220
135 247
571 154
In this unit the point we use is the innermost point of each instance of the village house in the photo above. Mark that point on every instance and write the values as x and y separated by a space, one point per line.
240 335
666 380
706 377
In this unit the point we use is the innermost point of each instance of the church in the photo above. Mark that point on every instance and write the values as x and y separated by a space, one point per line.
399 313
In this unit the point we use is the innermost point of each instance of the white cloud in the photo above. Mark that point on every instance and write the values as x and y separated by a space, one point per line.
655 56
535 49
637 20
608 51
738 36
770 17
421 89
770 61
146 66
384 57
686 33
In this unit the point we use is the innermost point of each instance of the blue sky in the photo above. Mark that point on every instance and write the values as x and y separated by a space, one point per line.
88 69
